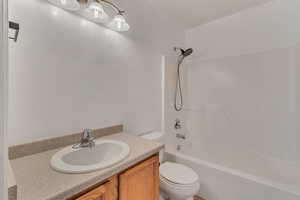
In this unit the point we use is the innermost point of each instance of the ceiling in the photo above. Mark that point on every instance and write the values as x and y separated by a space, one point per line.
190 13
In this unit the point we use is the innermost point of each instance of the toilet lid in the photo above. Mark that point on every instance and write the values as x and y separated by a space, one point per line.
178 173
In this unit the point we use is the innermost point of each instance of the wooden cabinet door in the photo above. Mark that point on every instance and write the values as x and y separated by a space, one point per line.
99 193
140 182
106 191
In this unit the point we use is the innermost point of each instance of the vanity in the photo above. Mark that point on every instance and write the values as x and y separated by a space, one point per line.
134 178
138 182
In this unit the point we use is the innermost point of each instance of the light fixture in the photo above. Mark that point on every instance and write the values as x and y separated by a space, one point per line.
119 23
93 10
72 5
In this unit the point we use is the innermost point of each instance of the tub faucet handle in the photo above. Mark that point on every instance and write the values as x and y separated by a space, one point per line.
179 147
177 124
180 136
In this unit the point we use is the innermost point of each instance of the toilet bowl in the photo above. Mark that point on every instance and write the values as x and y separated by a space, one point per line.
178 182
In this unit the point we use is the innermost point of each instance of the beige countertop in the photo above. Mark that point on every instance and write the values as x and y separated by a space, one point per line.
36 180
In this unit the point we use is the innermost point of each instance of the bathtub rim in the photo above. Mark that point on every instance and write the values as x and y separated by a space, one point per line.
235 172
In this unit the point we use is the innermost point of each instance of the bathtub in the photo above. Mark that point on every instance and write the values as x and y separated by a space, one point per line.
220 182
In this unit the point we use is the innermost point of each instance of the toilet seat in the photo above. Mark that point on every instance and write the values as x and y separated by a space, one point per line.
179 175
176 185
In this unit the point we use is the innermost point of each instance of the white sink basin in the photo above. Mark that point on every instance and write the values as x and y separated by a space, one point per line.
105 154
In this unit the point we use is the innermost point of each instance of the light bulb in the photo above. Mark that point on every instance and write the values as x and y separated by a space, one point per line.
119 24
96 13
72 5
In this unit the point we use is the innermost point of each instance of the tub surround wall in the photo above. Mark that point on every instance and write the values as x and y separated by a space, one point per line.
67 73
243 89
246 103
170 115
242 96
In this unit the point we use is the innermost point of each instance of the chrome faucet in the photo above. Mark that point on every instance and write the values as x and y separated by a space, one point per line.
86 140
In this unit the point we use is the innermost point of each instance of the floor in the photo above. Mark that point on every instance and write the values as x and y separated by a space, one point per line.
198 198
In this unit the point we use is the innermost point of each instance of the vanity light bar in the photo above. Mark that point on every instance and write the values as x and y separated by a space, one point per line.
93 10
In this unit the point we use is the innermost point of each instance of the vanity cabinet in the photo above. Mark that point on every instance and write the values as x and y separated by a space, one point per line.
99 193
140 182
107 190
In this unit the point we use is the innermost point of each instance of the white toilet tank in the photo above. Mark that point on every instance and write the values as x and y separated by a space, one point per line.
155 136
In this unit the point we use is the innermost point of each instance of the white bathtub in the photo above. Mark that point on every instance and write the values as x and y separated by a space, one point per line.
226 183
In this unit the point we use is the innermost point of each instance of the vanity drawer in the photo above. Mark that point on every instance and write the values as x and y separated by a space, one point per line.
99 193
104 191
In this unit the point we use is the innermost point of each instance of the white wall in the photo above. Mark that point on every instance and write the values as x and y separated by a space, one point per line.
1 108
3 100
67 73
243 84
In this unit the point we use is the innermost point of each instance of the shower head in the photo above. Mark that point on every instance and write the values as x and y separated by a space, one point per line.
178 105
183 52
187 52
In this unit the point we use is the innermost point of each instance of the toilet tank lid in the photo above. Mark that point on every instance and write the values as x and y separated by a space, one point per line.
154 135
178 173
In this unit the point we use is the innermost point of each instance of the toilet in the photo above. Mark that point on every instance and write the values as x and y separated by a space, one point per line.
177 181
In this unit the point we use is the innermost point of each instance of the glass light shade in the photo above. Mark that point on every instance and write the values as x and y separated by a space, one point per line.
96 13
72 5
119 24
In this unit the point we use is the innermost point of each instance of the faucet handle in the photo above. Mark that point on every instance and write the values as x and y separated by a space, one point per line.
87 134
